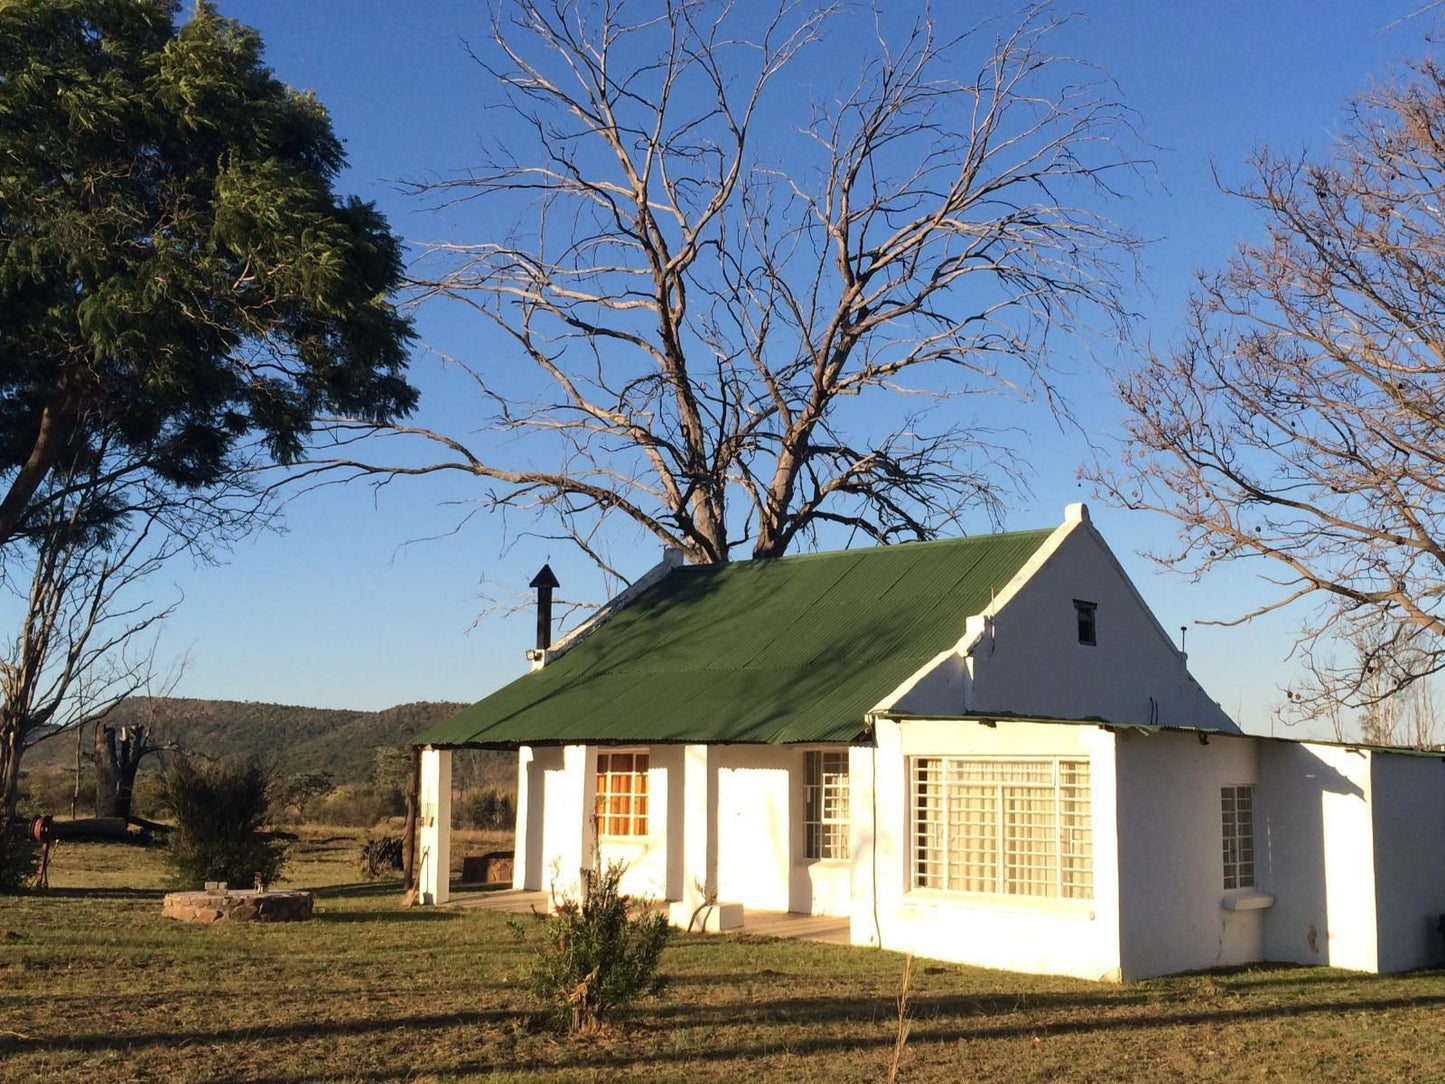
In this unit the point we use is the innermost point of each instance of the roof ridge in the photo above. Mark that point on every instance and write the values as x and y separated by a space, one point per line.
883 548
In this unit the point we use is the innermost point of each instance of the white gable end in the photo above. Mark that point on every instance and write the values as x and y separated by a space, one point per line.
1024 656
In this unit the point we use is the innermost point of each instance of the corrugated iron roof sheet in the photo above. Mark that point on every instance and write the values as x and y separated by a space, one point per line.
786 650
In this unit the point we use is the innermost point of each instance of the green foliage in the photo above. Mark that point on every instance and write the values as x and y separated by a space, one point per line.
360 805
299 797
19 859
167 217
594 956
50 791
219 812
487 808
148 796
391 768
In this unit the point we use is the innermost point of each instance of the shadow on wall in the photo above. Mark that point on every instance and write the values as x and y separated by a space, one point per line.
1314 825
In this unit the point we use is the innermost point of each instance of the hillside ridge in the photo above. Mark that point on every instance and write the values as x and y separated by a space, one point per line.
289 738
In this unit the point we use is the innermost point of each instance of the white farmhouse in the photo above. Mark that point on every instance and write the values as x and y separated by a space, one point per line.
983 750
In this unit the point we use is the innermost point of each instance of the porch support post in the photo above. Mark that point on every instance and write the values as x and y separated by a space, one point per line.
522 842
699 825
434 861
579 764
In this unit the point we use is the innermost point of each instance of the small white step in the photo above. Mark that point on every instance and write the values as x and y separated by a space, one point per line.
712 918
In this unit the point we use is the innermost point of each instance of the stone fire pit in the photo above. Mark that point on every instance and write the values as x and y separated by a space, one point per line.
237 905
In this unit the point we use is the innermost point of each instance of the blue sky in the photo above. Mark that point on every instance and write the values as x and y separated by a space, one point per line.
345 610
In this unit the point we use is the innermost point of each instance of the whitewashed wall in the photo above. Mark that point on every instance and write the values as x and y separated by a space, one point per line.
1066 937
1409 827
1172 901
755 846
1029 660
653 862
1315 840
562 778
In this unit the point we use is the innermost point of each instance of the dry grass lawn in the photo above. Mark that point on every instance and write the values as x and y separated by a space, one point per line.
95 985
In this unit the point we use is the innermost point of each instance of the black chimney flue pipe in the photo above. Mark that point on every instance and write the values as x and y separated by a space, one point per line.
544 581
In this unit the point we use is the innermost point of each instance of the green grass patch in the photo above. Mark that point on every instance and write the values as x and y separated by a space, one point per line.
95 985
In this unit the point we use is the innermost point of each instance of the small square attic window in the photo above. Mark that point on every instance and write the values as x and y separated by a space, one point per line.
1084 612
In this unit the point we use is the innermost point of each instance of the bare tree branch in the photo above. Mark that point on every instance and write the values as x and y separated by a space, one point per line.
1303 418
744 321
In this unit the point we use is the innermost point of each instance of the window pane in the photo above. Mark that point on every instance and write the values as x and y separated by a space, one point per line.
621 804
825 804
1237 829
1018 826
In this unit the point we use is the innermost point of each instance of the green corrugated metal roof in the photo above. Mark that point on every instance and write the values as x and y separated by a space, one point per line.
786 650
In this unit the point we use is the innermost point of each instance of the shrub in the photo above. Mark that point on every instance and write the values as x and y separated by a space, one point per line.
19 858
486 808
595 955
148 797
299 798
219 812
360 805
50 791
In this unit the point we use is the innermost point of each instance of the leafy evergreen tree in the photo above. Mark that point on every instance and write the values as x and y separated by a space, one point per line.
176 272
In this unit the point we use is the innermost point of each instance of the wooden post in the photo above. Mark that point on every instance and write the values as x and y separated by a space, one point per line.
408 835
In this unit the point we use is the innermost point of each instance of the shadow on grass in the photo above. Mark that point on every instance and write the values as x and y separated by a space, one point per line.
883 1007
354 888
925 1030
295 1032
929 1026
935 1020
96 893
330 917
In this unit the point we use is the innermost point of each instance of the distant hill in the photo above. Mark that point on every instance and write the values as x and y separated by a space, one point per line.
293 739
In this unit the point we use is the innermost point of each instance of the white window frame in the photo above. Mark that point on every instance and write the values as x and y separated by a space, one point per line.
826 788
635 820
1071 854
1237 831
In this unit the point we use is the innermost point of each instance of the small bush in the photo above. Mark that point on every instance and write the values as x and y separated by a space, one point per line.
148 797
19 858
50 792
594 956
219 813
485 808
380 857
360 805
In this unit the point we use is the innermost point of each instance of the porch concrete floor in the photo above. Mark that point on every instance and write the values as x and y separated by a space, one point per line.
833 931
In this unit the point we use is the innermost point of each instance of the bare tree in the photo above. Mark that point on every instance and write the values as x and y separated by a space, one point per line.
733 317
117 752
86 616
1302 420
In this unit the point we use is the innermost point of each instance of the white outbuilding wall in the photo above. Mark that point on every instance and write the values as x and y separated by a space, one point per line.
1409 824
1174 912
1315 842
1046 936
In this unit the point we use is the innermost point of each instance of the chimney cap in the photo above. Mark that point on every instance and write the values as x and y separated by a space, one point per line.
545 578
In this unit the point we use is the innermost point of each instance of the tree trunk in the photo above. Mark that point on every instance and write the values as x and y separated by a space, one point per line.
9 773
106 785
117 758
408 833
